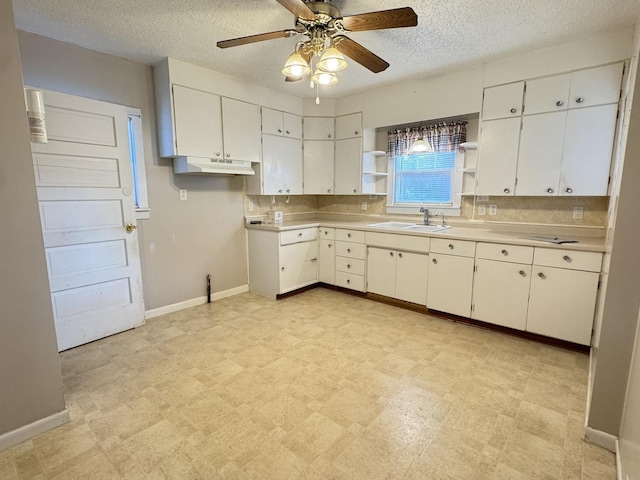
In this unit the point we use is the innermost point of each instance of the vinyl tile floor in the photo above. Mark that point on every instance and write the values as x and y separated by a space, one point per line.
322 385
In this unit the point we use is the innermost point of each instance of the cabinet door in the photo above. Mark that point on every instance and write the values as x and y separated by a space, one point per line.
588 146
348 160
501 293
498 157
411 277
318 128
292 125
241 130
596 86
562 303
503 101
349 126
291 154
450 284
272 121
318 167
540 157
326 261
381 271
298 265
197 122
547 94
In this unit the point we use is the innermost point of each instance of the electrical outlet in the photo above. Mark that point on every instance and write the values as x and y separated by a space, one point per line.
482 210
250 207
483 198
183 194
364 206
577 213
493 209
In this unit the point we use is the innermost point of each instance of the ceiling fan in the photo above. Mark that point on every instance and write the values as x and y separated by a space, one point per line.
325 29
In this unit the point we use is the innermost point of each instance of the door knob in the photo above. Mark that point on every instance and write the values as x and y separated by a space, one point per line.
130 227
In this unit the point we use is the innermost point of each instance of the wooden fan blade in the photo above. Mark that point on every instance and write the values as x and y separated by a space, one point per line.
358 53
395 18
234 42
292 79
298 8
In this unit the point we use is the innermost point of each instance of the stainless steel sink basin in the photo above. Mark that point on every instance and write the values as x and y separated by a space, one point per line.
426 228
391 225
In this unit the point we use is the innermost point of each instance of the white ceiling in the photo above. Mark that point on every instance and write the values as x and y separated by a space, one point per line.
449 34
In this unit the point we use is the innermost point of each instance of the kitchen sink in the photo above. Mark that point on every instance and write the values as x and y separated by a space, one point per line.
426 228
392 225
414 227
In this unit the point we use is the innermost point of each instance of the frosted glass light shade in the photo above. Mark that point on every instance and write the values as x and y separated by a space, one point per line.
324 78
420 146
332 60
296 66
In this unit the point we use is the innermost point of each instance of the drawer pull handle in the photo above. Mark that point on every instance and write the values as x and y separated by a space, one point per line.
513 110
434 260
314 259
567 258
451 246
549 190
559 103
542 275
522 273
506 190
505 253
400 255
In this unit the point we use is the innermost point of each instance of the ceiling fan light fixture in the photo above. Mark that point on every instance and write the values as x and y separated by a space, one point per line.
324 78
296 66
332 60
420 146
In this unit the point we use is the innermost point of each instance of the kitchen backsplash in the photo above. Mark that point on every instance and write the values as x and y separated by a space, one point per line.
535 210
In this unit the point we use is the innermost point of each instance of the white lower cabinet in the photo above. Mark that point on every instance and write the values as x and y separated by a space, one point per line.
450 284
564 286
398 274
326 261
350 256
282 262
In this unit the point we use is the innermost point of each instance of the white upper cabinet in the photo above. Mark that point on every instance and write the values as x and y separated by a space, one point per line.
241 130
547 94
275 122
503 101
281 167
197 120
498 153
318 128
318 167
348 166
596 86
349 126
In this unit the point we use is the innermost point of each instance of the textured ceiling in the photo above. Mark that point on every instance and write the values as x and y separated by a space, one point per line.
449 33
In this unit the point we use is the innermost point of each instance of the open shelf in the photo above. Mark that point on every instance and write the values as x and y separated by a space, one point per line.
376 174
375 152
467 170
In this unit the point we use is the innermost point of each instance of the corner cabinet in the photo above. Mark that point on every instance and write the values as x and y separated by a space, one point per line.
280 262
348 155
319 152
550 136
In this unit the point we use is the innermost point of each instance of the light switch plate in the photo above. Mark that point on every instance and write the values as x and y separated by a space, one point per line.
250 207
183 194
577 213
364 205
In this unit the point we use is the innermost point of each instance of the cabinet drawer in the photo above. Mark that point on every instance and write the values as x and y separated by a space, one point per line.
350 265
327 233
349 280
461 248
550 257
351 250
350 235
298 235
398 242
505 253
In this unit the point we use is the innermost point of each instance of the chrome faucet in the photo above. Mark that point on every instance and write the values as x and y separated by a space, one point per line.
426 215
444 222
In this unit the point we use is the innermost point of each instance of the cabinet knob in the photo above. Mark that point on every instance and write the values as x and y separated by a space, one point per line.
348 265
217 154
504 252
348 281
355 190
559 103
579 100
329 136
300 234
451 246
288 132
228 155
522 273
568 190
434 260
280 130
326 232
329 245
348 235
356 132
542 275
391 254
567 258
288 190
348 250
280 191
549 190
506 190
282 268
513 110
400 255
328 190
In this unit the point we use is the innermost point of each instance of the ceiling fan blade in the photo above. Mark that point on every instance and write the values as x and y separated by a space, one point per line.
234 42
298 8
395 18
358 53
292 79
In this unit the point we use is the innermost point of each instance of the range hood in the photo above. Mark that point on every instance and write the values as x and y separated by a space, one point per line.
201 165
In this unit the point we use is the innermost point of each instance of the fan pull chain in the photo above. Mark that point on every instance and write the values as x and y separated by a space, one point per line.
317 95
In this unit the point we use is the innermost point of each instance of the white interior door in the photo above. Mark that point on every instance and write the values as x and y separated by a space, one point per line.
85 192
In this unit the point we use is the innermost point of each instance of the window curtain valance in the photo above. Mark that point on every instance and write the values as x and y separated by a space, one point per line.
443 137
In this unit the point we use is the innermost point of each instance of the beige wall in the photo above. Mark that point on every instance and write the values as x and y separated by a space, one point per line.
184 240
30 377
630 430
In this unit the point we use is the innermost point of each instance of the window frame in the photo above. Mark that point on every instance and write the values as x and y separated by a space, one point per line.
139 175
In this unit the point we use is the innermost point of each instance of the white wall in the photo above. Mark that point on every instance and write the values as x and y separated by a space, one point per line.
630 430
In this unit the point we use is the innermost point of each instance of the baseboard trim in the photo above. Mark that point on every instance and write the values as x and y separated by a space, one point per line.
194 302
618 461
600 438
21 434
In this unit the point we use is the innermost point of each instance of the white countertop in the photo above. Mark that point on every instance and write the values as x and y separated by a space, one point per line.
494 234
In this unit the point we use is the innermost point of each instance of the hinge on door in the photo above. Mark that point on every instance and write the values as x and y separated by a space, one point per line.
609 181
599 283
473 307
475 268
516 181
